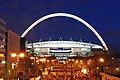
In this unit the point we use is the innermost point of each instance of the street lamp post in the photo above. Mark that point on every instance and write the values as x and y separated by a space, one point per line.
14 55
101 60
36 61
43 60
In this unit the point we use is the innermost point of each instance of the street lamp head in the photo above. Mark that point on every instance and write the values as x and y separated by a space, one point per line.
31 57
101 60
13 55
112 58
37 61
73 60
21 55
76 61
3 62
84 70
117 69
81 61
89 62
48 60
43 60
97 67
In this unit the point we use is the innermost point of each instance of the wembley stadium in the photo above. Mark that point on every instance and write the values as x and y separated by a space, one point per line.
63 49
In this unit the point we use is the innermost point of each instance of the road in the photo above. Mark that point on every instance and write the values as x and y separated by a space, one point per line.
67 72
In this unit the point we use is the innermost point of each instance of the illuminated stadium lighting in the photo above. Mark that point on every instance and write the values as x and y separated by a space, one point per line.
63 49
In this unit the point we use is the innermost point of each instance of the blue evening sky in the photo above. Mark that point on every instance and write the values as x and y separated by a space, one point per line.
103 15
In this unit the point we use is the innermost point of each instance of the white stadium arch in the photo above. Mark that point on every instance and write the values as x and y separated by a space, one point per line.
70 16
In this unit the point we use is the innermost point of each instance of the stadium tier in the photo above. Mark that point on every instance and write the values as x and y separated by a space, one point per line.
63 49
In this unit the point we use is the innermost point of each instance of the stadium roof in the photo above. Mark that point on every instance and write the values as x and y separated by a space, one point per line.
63 44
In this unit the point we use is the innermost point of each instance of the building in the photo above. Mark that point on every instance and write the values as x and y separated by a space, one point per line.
9 42
2 47
12 46
13 42
63 49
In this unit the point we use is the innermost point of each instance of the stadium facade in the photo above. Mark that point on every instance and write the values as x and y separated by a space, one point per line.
63 49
